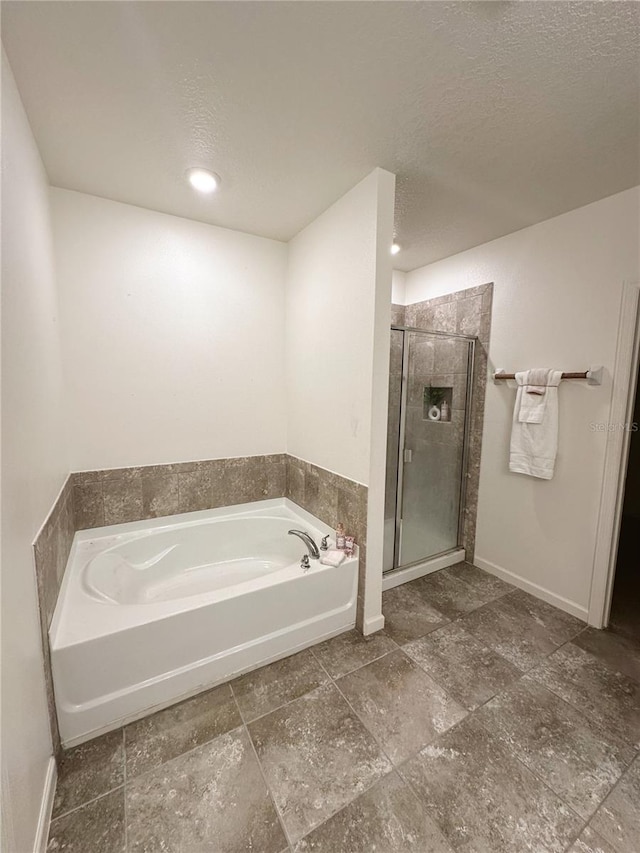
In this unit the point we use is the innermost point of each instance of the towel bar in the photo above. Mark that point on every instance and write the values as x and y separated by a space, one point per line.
593 375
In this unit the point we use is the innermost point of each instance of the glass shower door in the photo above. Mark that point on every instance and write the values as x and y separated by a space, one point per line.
436 371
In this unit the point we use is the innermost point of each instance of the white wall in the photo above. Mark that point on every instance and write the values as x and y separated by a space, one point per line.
173 335
337 328
557 292
373 618
34 464
398 287
331 292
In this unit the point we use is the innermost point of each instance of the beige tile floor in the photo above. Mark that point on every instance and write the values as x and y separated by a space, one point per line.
481 721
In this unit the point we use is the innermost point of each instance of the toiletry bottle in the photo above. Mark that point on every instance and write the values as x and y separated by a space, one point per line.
349 544
445 413
340 537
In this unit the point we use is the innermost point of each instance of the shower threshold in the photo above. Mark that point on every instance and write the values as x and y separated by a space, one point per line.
395 577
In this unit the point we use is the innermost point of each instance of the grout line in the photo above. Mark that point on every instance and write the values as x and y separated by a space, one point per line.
193 748
356 668
366 728
346 805
511 750
262 773
547 786
604 663
284 704
86 803
374 782
618 781
397 769
510 754
483 573
156 767
437 683
244 723
447 690
587 716
384 752
573 839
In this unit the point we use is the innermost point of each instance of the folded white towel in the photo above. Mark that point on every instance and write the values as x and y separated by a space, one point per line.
531 407
534 443
333 557
537 380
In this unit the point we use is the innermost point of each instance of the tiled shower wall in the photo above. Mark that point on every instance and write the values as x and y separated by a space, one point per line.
115 496
465 312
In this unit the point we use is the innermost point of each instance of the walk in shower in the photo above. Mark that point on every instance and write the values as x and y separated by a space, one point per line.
427 445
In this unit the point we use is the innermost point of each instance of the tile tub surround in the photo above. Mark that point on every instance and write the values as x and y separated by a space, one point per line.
297 756
119 495
465 312
51 552
114 496
332 499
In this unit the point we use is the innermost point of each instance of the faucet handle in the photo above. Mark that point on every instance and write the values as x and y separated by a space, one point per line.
324 543
304 563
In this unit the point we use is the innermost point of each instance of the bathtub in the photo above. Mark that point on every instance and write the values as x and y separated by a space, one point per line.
154 611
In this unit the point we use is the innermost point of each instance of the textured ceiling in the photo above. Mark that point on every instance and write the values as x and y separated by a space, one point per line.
492 115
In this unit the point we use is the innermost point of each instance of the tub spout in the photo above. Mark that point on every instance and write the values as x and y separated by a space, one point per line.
308 541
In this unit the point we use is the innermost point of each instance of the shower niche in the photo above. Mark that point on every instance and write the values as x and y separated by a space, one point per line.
436 404
427 445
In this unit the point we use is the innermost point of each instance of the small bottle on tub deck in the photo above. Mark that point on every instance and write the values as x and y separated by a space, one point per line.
340 537
349 544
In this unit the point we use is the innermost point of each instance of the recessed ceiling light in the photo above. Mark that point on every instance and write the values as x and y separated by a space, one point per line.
395 248
203 180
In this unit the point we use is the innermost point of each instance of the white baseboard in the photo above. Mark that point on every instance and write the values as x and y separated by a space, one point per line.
46 807
372 625
400 576
533 588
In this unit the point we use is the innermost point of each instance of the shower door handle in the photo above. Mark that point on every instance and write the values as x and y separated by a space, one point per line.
407 455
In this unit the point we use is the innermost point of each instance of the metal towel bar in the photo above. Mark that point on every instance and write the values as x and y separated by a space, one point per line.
593 375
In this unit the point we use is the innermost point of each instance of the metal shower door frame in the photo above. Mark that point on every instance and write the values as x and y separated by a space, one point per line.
397 539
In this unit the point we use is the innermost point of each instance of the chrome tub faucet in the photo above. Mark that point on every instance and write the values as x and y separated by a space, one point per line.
314 553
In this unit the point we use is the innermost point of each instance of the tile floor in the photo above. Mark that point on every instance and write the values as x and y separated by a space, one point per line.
482 720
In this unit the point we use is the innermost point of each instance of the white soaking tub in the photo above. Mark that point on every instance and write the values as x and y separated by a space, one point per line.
153 611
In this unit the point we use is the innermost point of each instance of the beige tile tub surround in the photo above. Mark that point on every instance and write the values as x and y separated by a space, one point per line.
115 496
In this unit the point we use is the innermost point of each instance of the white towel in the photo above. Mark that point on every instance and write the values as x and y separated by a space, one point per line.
333 557
537 380
534 443
532 406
